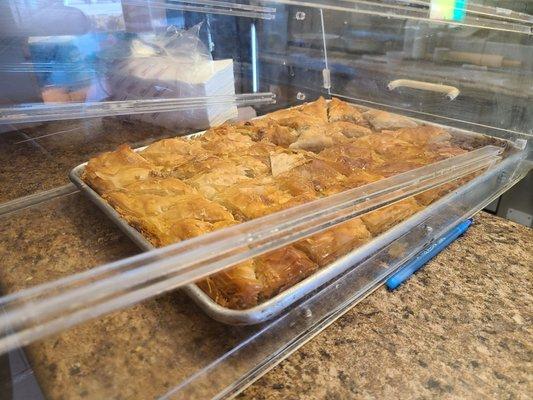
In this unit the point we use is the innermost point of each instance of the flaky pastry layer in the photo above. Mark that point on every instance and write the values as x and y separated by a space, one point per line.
178 188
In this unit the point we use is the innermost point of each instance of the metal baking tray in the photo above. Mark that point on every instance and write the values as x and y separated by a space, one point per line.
274 306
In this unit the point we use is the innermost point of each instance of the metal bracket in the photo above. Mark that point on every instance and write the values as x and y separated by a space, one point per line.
326 76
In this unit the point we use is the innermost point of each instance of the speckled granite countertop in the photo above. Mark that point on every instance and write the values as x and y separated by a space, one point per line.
39 157
460 328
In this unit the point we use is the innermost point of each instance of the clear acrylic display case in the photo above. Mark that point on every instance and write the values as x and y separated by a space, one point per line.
87 313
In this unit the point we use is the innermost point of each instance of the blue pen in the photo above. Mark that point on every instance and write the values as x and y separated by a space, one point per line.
427 254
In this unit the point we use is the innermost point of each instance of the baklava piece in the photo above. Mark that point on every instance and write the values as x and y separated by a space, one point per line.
280 269
246 284
380 120
353 156
262 151
170 153
301 127
304 116
386 217
360 177
159 186
396 167
421 135
317 108
280 114
163 230
431 195
325 247
211 183
197 207
317 138
300 122
282 164
253 198
248 166
406 149
348 129
321 175
247 128
189 216
339 110
225 140
200 164
254 166
415 157
115 169
280 135
236 287
442 151
147 198
315 111
390 148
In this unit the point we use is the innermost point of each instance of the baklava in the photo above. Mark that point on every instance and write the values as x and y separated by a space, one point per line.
179 188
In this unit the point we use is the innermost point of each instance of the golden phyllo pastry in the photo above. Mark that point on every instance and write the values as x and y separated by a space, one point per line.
317 138
282 162
300 122
189 216
280 135
253 198
380 120
321 175
116 169
396 167
340 111
219 179
429 196
353 156
225 140
281 269
421 135
171 153
318 109
389 147
245 284
148 198
360 177
178 188
444 150
386 217
348 129
201 164
325 247
236 287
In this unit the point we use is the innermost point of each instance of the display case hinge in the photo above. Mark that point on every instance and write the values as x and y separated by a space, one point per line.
521 143
327 78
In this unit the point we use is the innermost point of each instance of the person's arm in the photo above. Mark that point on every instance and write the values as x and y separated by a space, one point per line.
18 19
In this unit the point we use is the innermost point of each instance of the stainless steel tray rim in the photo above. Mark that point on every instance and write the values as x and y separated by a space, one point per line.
275 305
